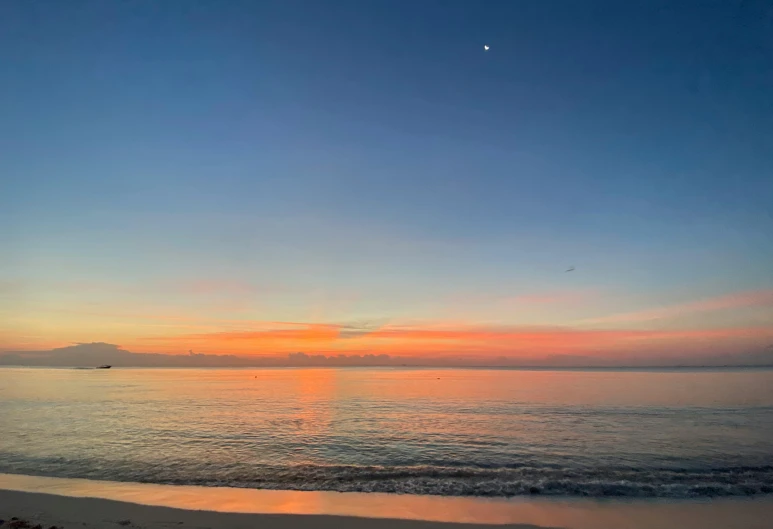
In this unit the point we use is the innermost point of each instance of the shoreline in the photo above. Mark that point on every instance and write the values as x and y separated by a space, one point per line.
67 503
65 512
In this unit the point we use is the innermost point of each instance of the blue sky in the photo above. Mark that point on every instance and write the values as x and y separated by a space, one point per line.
370 161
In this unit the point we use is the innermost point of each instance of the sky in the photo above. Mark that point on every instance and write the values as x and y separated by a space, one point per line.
346 177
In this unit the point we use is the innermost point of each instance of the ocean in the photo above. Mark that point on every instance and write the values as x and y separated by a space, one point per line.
449 432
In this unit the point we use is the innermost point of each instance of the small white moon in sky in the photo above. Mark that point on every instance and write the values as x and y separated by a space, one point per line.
485 47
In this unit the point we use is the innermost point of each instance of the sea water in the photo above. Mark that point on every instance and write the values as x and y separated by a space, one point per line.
451 432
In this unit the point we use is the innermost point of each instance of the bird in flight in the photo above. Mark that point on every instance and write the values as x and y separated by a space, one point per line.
570 269
485 47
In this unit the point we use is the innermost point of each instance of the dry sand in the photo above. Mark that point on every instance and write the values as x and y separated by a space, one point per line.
84 504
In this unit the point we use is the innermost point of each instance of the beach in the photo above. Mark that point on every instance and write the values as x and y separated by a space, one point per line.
71 503
225 449
386 264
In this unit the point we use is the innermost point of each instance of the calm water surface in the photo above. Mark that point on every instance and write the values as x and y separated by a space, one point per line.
416 431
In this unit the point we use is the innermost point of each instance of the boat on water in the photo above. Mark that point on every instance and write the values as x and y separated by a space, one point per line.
105 366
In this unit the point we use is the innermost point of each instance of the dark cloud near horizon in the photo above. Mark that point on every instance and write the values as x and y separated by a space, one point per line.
98 353
359 329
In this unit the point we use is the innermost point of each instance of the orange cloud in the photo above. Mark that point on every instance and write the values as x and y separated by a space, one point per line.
260 338
543 340
440 339
753 298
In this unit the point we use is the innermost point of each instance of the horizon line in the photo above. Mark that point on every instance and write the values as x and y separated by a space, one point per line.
536 367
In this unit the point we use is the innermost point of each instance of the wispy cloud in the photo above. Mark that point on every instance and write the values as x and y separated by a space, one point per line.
737 300
256 336
361 329
443 339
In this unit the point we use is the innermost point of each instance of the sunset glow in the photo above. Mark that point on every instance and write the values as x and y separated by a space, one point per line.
367 186
611 336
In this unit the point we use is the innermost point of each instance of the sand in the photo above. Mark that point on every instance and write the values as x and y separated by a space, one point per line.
84 504
88 513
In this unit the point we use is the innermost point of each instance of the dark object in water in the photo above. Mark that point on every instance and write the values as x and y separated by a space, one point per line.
105 366
124 522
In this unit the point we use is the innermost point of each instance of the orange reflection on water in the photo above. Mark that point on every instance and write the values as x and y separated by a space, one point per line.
315 391
222 499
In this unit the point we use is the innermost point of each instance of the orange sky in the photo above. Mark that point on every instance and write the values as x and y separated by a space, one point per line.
702 326
574 190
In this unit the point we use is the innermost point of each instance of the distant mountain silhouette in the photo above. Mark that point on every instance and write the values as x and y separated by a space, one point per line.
98 353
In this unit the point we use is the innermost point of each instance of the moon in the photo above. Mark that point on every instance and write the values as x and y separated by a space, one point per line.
485 47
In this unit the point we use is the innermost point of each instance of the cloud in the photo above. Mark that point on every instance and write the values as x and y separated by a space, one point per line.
98 353
445 340
535 341
258 337
303 359
94 354
361 329
737 300
279 335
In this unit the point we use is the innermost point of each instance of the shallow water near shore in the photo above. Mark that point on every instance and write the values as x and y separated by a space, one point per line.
444 432
352 509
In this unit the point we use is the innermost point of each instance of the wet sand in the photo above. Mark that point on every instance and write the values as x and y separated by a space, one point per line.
85 504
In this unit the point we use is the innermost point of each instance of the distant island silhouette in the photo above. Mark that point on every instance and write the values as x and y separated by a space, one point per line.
100 353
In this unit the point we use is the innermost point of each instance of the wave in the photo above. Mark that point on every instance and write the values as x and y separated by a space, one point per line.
423 479
465 481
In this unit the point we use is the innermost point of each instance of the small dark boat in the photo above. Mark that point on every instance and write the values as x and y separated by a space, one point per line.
105 366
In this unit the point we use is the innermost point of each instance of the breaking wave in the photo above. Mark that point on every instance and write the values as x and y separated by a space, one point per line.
430 480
